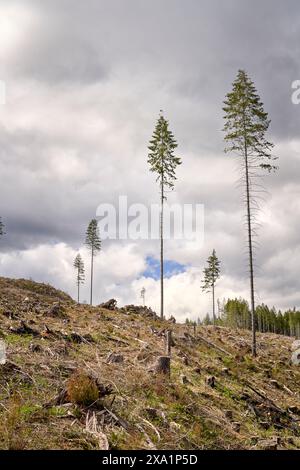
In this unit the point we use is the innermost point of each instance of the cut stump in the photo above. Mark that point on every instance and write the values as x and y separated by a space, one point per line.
162 365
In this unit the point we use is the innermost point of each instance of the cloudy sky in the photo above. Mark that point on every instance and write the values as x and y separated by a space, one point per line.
84 85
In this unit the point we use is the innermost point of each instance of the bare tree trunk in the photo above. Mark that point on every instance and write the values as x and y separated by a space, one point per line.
78 281
162 251
250 253
168 342
92 275
213 296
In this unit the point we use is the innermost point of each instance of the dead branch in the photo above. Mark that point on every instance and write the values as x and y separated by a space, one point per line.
91 427
212 345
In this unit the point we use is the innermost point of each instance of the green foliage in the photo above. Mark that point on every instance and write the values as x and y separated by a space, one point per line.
207 320
79 266
246 123
80 277
236 314
19 340
161 156
211 273
92 240
163 162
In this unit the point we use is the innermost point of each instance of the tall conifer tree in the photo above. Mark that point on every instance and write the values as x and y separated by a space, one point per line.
79 266
211 275
93 242
163 162
246 124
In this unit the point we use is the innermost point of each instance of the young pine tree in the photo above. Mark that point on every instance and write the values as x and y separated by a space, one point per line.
163 162
211 275
143 295
246 124
79 266
93 242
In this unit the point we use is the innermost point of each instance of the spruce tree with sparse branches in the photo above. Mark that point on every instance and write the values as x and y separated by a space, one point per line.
211 275
93 242
246 124
163 162
80 277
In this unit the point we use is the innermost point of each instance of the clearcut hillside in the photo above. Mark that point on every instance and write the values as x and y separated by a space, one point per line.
81 377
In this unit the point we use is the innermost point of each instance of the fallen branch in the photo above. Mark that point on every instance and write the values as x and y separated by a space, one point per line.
149 441
117 340
24 329
119 420
212 345
91 427
153 427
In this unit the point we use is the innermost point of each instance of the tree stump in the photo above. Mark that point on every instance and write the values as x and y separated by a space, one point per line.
2 352
185 361
163 365
210 380
236 426
114 358
228 414
184 379
168 342
296 356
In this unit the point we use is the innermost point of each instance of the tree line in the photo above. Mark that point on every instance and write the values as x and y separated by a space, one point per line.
236 313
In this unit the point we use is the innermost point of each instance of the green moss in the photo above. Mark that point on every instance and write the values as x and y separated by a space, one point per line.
14 339
56 411
27 410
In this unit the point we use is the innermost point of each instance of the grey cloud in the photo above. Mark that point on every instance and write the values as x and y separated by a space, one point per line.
94 75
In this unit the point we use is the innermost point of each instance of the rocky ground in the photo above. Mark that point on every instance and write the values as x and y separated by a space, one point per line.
81 377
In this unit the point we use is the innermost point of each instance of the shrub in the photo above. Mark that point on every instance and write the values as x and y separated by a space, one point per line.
82 389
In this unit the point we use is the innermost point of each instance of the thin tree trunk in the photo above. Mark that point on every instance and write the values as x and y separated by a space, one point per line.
162 251
92 271
250 254
78 287
213 296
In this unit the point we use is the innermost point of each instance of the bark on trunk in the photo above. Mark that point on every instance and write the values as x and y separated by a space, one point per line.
168 342
163 365
162 252
92 272
250 254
